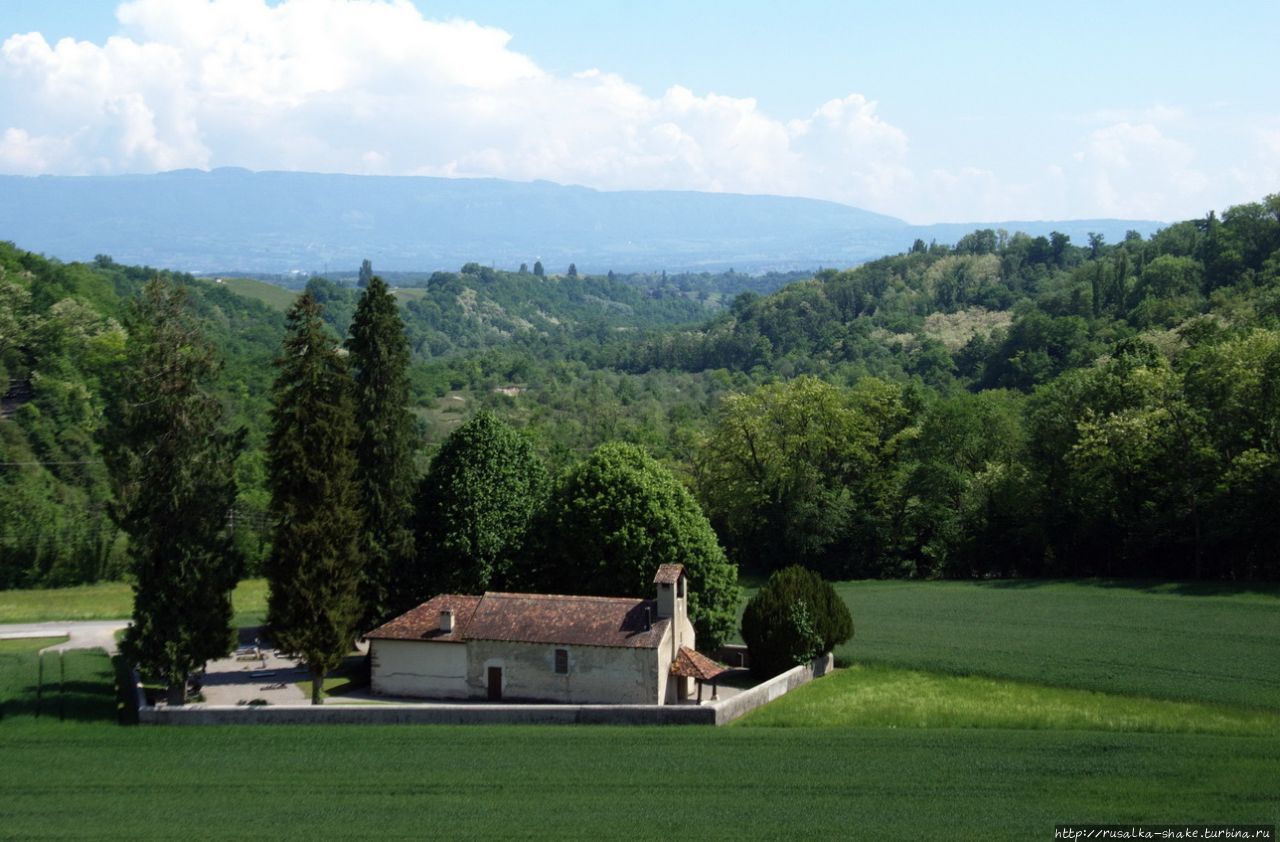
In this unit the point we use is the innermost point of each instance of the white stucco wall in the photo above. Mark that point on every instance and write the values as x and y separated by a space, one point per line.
419 668
597 674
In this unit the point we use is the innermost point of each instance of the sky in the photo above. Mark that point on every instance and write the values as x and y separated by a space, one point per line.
931 112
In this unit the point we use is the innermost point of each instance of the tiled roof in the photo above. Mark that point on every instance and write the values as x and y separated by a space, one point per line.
423 622
532 618
691 664
580 620
668 574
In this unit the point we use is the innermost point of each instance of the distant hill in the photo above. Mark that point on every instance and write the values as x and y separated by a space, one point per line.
274 222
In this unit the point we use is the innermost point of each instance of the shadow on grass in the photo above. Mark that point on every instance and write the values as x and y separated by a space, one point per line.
1149 586
71 701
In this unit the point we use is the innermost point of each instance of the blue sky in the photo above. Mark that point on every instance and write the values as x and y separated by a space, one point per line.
943 111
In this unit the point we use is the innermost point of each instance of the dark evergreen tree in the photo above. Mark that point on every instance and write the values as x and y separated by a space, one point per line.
172 468
538 271
384 453
524 268
794 618
366 274
475 504
573 270
313 572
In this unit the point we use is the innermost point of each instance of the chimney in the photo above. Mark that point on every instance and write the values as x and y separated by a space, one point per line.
648 618
446 621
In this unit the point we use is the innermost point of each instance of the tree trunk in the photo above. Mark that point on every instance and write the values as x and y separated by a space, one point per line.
317 681
176 694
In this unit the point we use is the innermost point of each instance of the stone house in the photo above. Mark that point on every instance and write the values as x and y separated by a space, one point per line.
546 648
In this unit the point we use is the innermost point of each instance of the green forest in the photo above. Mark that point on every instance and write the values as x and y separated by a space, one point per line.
1004 406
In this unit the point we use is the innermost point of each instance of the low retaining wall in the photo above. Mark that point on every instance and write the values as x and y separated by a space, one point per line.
708 713
428 714
733 707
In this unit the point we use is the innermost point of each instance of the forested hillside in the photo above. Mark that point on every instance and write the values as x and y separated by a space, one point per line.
1004 406
61 349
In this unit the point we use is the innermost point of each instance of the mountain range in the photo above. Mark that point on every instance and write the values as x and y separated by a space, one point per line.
232 219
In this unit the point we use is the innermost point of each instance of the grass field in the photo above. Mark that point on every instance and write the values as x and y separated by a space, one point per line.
74 772
929 736
111 601
878 696
280 298
274 296
1209 643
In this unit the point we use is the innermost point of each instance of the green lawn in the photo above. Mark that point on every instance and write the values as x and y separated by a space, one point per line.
878 696
347 678
73 771
111 601
994 744
1208 643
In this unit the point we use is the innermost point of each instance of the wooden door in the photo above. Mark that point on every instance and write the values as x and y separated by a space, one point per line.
495 684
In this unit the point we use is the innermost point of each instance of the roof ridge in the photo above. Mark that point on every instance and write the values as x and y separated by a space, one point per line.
579 597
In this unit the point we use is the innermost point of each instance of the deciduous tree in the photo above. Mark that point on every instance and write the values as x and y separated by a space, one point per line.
474 507
613 518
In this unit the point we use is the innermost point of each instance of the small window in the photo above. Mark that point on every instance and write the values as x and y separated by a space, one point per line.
562 661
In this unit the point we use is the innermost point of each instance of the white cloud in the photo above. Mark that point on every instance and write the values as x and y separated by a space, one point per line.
1135 170
372 86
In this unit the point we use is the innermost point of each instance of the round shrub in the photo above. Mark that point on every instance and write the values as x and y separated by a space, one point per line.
794 618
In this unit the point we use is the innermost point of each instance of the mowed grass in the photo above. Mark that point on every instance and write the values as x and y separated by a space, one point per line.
596 782
1204 643
110 601
69 686
878 696
600 782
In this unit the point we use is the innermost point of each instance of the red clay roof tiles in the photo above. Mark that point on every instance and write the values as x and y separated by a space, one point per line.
668 574
581 620
423 622
532 618
691 664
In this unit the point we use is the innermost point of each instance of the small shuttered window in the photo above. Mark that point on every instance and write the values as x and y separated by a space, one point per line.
562 661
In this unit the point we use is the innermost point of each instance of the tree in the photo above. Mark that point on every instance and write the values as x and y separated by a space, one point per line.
524 268
802 472
172 468
967 503
573 270
313 571
384 454
1167 291
474 506
613 518
538 271
794 618
366 274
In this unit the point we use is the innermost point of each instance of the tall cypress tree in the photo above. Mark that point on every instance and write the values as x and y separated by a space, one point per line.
313 572
172 469
384 454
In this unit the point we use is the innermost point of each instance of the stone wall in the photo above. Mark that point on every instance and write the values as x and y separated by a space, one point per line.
743 703
432 714
709 713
